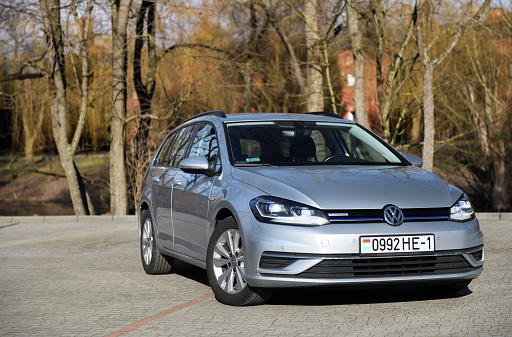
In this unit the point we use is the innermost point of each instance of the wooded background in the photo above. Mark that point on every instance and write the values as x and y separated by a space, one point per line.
433 78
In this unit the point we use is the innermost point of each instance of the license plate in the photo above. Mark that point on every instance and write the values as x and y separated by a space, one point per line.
396 244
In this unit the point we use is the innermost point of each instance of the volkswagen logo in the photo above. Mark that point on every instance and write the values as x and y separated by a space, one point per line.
393 215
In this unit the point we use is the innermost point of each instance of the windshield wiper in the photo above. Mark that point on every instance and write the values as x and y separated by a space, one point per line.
251 164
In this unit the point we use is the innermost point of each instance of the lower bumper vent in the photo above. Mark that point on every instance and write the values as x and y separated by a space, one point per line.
355 266
382 267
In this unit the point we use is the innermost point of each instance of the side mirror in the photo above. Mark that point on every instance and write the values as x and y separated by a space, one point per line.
414 160
196 165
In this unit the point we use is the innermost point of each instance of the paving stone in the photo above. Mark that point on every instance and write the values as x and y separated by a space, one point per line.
5 220
83 277
488 216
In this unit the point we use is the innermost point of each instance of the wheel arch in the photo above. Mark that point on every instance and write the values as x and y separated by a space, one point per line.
222 214
144 206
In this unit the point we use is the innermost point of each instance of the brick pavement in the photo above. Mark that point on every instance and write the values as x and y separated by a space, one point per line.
82 277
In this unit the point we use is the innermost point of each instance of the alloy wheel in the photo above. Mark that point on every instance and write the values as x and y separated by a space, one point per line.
228 262
147 242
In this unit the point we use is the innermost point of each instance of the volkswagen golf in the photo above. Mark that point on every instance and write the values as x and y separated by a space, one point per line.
268 201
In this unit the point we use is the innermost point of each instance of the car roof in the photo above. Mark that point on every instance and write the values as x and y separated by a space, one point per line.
281 116
249 117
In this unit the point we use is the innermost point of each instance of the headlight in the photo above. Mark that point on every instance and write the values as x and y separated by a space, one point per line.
462 210
276 210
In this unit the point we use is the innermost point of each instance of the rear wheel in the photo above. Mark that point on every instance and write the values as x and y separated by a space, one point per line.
153 261
445 288
225 266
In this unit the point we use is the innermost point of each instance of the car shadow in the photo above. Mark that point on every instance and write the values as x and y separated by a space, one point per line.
326 296
353 295
190 271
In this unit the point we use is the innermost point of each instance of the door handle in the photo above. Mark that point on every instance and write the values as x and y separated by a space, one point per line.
177 182
156 179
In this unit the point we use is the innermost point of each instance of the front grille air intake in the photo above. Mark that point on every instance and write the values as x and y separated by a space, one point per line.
389 266
355 266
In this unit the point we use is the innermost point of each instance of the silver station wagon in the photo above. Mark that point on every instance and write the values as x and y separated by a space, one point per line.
268 201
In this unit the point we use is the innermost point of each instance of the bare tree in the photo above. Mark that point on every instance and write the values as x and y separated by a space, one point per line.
314 74
118 192
140 152
488 95
429 63
249 62
145 91
391 78
50 10
358 52
295 65
310 81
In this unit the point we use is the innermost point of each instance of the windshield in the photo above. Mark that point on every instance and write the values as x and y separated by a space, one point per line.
305 143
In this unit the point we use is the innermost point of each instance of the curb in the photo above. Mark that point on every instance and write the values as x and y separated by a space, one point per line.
494 216
69 218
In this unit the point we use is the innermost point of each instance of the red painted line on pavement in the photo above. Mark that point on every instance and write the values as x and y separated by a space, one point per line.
140 323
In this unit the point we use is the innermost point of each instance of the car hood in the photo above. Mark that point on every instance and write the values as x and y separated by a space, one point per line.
352 187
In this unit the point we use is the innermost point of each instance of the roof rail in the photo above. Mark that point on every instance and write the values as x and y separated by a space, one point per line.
217 113
324 113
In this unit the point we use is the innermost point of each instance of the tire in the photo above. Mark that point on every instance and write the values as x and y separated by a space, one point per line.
225 267
445 288
153 261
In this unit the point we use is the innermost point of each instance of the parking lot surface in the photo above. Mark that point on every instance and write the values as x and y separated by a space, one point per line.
69 276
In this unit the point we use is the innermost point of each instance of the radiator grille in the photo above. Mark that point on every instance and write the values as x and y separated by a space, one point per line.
377 215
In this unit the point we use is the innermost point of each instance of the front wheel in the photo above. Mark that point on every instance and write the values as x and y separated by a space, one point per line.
225 267
153 261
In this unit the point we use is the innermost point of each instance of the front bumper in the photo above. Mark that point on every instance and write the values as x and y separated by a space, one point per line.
296 256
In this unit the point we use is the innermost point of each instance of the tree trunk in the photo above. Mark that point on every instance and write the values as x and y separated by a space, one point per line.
59 114
59 110
139 160
501 181
357 49
314 75
146 14
427 67
428 117
248 69
415 133
118 193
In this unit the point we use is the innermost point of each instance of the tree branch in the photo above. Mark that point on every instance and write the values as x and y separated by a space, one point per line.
20 77
193 45
462 28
